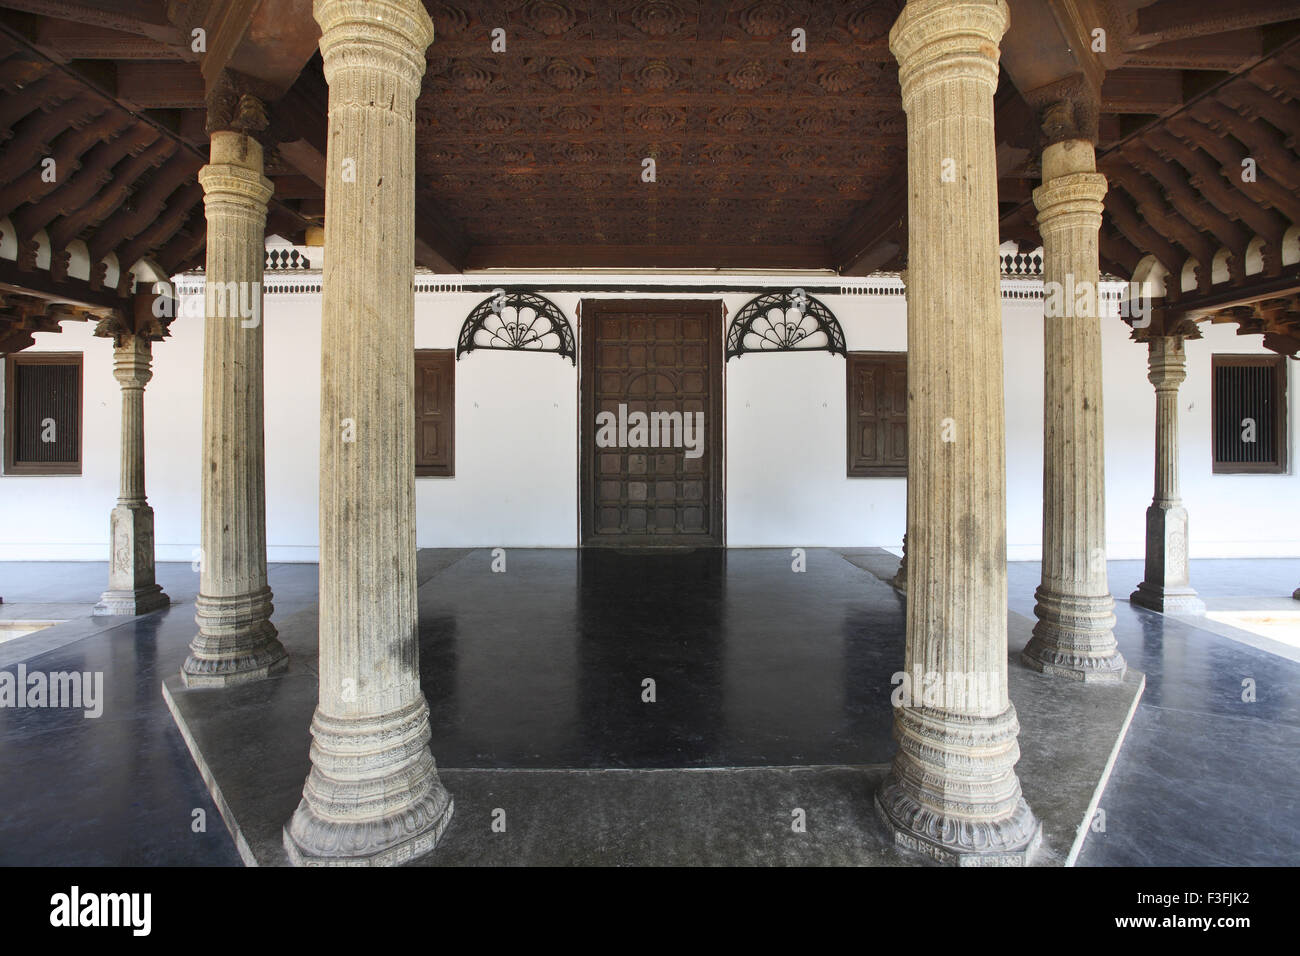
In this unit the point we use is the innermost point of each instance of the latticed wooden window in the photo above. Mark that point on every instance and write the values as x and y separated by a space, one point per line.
435 413
43 413
877 414
1249 402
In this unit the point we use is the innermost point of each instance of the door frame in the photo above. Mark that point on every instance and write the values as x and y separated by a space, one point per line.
589 311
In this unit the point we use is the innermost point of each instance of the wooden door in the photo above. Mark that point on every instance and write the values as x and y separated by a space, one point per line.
651 423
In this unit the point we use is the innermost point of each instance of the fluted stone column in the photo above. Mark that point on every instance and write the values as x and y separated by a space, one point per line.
373 795
236 641
1166 585
952 791
131 585
899 580
1073 637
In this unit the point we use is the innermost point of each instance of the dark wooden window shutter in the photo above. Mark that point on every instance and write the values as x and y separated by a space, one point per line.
1249 405
43 413
435 413
877 414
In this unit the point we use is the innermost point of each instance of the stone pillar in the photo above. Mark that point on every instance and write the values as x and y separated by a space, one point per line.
1166 586
373 795
236 641
1073 637
131 585
899 580
952 791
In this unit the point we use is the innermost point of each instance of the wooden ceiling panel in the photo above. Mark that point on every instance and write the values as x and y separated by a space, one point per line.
753 145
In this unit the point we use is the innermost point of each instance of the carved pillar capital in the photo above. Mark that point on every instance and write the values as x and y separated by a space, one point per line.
1068 109
233 175
237 103
372 38
1072 191
934 40
1166 362
132 361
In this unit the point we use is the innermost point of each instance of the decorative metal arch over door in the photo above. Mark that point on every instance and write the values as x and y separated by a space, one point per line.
656 480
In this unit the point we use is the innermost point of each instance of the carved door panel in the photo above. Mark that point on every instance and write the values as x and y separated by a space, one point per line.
651 426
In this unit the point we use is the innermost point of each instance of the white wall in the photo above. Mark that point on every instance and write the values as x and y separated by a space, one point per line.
517 440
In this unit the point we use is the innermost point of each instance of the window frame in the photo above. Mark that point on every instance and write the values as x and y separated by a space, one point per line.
42 468
852 359
1279 398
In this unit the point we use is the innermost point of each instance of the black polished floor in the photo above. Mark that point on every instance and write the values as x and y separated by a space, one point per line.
543 666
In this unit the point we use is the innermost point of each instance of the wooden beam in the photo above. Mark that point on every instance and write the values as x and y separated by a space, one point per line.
1118 255
1254 289
162 228
66 152
880 221
1254 103
150 201
74 191
648 257
68 40
143 17
1141 91
1151 207
112 194
1230 155
295 187
269 40
39 283
160 85
1186 200
1266 146
1179 19
1141 236
1222 51
1207 177
32 139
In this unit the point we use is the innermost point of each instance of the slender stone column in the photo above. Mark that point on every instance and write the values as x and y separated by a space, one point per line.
131 585
373 795
900 578
1073 637
952 791
236 641
1166 586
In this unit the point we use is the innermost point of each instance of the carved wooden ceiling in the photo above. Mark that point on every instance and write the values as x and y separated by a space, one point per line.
755 147
763 156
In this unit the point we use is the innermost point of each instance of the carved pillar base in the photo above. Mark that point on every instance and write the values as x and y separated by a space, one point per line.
131 586
1167 587
373 797
1073 638
952 792
236 643
1296 594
